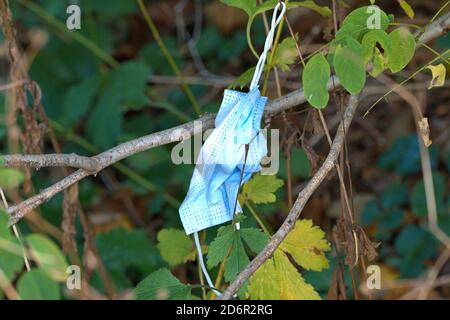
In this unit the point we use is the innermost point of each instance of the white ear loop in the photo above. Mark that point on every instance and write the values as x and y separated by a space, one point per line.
202 263
17 234
268 44
256 76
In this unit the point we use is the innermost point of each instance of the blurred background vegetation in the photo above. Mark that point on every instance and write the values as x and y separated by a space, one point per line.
111 82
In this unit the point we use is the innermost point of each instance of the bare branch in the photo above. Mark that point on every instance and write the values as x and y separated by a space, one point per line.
50 160
439 27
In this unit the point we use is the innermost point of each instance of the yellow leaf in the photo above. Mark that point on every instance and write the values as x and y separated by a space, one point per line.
261 188
306 244
407 8
278 279
438 72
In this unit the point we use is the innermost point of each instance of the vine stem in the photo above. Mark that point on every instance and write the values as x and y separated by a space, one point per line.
259 219
168 56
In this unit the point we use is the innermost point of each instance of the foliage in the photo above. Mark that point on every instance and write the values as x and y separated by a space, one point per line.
278 278
229 246
162 285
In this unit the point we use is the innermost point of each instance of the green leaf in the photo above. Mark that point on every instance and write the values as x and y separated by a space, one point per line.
407 8
124 89
229 245
302 167
79 98
175 246
121 248
369 43
11 260
261 188
243 79
249 6
237 260
395 194
37 285
48 256
220 246
254 239
349 66
306 244
360 18
162 285
402 50
315 79
415 243
278 279
285 54
10 178
378 63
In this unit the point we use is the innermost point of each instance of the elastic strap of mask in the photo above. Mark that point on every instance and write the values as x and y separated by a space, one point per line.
202 264
276 19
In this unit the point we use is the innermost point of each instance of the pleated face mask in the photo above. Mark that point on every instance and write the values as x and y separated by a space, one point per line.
230 155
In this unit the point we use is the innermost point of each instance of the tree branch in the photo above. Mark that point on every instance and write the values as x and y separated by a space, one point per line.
89 166
50 160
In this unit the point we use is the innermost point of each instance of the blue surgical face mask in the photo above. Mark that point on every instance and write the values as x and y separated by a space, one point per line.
223 164
211 198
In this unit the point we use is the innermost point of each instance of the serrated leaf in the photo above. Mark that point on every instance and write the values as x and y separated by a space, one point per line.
255 239
48 256
402 49
349 66
10 178
37 285
407 8
121 248
175 246
237 260
162 285
306 244
438 72
285 54
315 79
220 246
262 188
229 244
278 279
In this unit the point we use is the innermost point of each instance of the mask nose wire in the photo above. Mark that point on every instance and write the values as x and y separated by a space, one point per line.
276 19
